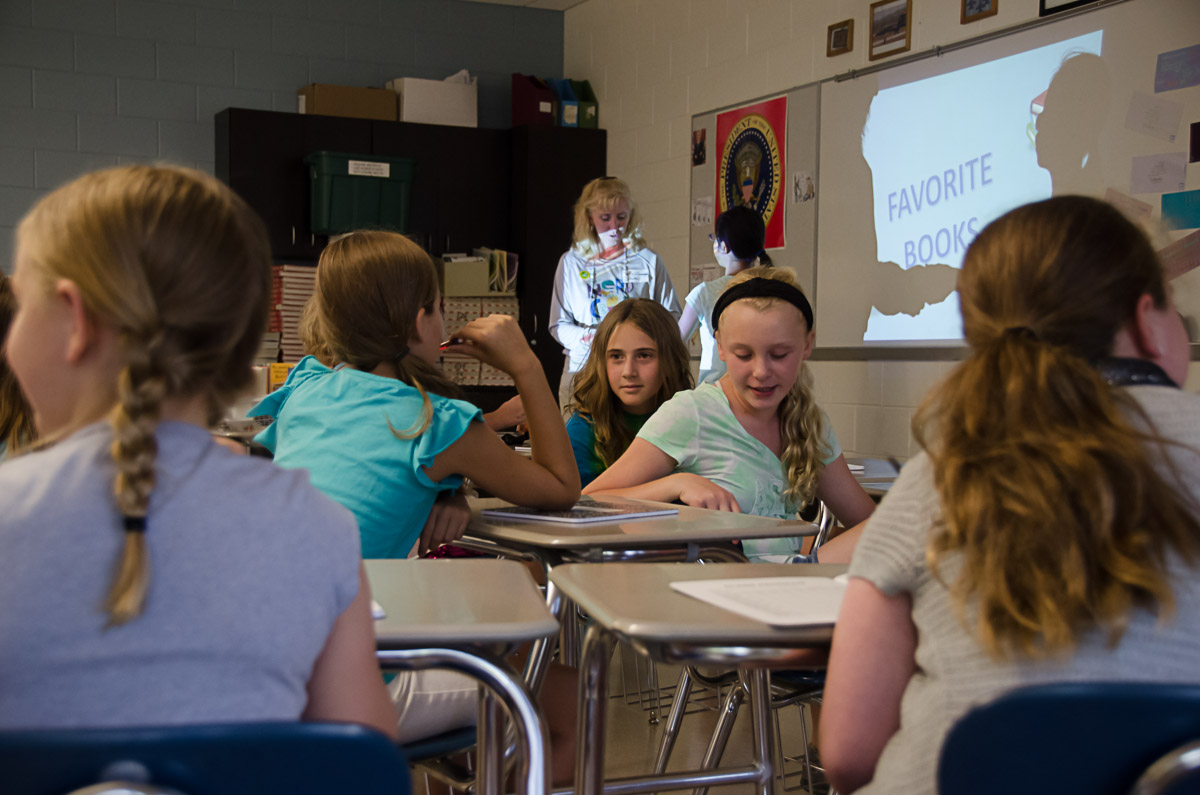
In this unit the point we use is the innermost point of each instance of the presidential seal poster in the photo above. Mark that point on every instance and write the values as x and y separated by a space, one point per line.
750 170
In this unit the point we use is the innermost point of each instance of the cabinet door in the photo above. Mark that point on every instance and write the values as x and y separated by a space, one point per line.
460 192
550 167
260 154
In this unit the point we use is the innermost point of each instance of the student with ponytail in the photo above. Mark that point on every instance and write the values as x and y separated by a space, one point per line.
149 576
755 441
383 433
737 245
1050 529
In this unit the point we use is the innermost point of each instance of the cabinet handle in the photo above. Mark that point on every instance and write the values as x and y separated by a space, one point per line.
312 239
447 242
293 235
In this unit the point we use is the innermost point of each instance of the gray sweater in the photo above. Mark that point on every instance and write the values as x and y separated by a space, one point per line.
953 673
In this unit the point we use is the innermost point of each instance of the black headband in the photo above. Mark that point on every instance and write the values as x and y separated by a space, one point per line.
759 287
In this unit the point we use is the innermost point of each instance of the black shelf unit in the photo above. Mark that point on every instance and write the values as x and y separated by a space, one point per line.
510 189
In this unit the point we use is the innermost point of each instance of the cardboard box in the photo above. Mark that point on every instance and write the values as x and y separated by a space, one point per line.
467 276
323 99
532 101
437 102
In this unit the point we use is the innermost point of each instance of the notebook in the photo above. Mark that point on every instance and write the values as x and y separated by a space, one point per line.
585 511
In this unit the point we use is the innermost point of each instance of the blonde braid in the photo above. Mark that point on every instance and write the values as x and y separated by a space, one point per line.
141 388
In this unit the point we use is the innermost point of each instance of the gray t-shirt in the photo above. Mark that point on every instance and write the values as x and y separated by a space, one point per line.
953 673
250 566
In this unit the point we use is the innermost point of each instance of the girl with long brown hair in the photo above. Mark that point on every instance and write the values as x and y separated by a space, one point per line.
637 362
755 441
16 420
150 576
384 435
1050 528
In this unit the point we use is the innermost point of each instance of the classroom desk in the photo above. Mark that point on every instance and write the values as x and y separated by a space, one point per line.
691 534
635 604
466 615
876 477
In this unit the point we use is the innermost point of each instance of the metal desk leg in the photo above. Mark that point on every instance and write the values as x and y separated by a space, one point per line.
538 662
721 732
593 687
534 767
489 742
568 621
683 692
758 682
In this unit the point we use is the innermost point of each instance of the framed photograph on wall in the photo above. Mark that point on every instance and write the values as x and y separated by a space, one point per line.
840 38
1048 7
977 9
891 28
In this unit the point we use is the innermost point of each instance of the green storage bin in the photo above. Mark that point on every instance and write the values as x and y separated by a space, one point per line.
359 192
589 109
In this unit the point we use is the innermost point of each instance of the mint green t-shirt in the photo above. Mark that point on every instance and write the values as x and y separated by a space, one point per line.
698 430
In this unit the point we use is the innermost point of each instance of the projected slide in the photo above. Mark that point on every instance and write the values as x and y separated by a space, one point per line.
950 153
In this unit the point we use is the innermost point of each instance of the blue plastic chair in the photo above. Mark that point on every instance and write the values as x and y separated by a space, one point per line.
226 759
1090 738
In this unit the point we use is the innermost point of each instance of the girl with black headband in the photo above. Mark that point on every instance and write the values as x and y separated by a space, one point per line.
755 441
1050 529
383 433
737 244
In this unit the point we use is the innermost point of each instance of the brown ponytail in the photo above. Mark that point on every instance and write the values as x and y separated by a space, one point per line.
1044 471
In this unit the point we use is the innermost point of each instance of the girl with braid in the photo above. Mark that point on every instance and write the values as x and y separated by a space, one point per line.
1050 529
755 441
150 576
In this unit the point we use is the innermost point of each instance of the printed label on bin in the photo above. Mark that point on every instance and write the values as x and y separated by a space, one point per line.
543 107
367 168
571 114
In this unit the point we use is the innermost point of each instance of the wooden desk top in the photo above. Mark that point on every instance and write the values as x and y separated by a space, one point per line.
456 603
636 600
690 525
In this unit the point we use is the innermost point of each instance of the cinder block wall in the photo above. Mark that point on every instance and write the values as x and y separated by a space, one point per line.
91 83
656 63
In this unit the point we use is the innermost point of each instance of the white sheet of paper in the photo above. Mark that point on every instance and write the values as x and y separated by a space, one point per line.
377 610
1154 116
1158 173
778 601
702 211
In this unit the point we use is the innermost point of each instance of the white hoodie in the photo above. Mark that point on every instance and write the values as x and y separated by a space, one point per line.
584 291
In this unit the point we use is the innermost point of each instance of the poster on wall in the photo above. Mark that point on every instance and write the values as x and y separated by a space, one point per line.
750 170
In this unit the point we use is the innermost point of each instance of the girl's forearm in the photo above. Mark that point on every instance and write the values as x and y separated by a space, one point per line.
548 440
666 489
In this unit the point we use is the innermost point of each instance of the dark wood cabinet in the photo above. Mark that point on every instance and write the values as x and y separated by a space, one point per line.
509 189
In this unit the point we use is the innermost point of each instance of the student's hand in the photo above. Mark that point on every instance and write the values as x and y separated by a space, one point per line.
496 340
446 523
510 413
703 493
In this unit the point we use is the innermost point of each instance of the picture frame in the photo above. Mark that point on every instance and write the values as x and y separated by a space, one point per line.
840 38
891 28
1048 7
973 10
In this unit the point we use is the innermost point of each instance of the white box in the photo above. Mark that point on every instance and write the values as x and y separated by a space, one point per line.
437 102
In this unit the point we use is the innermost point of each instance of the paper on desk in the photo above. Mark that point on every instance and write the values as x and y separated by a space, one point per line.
778 601
856 467
377 610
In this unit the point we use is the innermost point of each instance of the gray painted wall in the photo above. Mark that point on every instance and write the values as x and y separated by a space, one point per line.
86 84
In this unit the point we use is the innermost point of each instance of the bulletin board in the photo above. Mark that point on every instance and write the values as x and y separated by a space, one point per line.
899 189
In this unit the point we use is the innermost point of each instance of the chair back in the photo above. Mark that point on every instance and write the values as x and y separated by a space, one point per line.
227 759
1096 738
